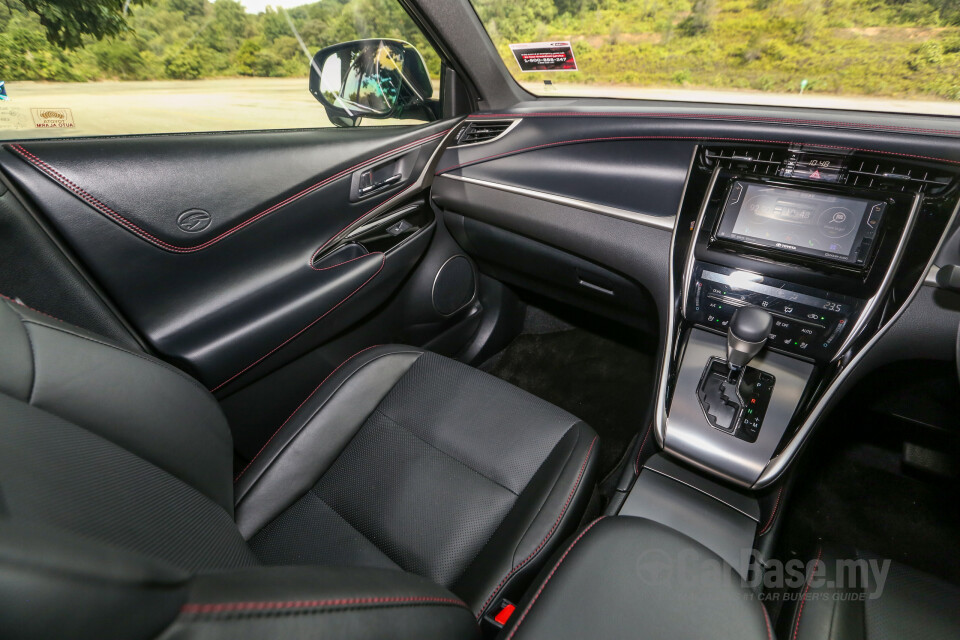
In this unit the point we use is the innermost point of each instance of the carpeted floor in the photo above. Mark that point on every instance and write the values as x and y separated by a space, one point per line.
859 494
600 380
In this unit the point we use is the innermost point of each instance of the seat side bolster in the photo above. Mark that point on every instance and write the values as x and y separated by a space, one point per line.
280 602
311 439
55 584
16 354
547 511
135 401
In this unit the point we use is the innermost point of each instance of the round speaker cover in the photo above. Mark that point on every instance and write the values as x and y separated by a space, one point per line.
455 285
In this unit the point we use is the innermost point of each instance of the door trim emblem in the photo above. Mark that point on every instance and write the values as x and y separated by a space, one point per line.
193 220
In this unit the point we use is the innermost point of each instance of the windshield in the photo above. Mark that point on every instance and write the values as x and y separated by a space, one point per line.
877 55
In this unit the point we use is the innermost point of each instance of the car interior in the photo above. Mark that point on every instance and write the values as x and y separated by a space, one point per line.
520 367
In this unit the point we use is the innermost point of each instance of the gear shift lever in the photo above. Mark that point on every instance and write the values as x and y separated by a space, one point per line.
746 335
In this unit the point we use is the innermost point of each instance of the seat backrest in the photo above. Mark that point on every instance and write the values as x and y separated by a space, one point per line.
113 451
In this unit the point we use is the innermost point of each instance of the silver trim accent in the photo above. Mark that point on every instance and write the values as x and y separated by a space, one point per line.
870 306
779 464
688 265
425 178
476 285
691 437
514 123
660 411
657 222
931 278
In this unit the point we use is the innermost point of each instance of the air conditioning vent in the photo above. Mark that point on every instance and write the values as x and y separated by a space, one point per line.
481 131
764 161
892 175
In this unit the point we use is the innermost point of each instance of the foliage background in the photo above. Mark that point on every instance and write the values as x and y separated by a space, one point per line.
190 39
891 48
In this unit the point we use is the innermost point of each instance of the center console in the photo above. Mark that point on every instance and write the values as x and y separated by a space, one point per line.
787 262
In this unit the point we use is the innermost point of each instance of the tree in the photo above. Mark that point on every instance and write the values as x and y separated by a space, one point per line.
67 21
700 18
184 65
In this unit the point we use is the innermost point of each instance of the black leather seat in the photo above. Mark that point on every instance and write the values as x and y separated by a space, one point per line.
405 478
626 577
851 594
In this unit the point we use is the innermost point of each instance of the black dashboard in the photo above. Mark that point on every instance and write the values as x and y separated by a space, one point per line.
831 226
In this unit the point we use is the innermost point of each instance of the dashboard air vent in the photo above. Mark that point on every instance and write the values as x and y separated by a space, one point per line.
765 161
480 131
893 175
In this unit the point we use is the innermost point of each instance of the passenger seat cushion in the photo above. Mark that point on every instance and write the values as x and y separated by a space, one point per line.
448 460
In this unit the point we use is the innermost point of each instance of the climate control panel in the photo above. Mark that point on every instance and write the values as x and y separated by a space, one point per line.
807 321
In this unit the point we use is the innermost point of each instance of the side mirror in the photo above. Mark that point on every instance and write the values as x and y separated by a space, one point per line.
374 78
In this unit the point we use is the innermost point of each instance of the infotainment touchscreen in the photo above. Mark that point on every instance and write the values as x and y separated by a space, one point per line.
813 223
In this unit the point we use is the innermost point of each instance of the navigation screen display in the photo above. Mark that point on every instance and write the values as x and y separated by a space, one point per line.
818 224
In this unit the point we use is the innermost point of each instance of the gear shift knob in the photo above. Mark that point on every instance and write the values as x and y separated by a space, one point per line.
746 335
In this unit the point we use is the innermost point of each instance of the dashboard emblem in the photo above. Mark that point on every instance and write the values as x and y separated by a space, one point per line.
194 220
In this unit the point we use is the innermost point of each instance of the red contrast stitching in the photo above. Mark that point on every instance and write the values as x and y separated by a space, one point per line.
715 116
636 465
222 607
772 513
550 575
615 138
383 260
816 565
324 245
26 306
300 406
145 235
548 536
766 619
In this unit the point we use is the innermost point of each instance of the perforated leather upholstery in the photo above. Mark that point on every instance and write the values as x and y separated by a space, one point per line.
403 475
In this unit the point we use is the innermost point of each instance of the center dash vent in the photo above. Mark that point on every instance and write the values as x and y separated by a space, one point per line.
481 131
764 161
892 175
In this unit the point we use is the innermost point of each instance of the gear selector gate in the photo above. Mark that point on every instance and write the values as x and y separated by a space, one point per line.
733 396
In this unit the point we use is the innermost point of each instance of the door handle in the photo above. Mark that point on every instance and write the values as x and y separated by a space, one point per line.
369 187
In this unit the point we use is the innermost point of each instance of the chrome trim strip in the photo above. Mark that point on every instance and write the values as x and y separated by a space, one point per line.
931 279
657 222
512 126
660 411
870 306
780 463
777 465
476 285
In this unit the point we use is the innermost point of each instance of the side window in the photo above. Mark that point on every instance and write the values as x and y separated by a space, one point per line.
112 67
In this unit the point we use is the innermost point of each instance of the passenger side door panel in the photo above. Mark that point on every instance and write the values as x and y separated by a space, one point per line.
215 246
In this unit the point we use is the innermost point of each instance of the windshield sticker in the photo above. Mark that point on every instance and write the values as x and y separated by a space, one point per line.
53 118
544 56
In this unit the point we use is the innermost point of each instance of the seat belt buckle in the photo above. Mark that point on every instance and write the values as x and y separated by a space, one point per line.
499 615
